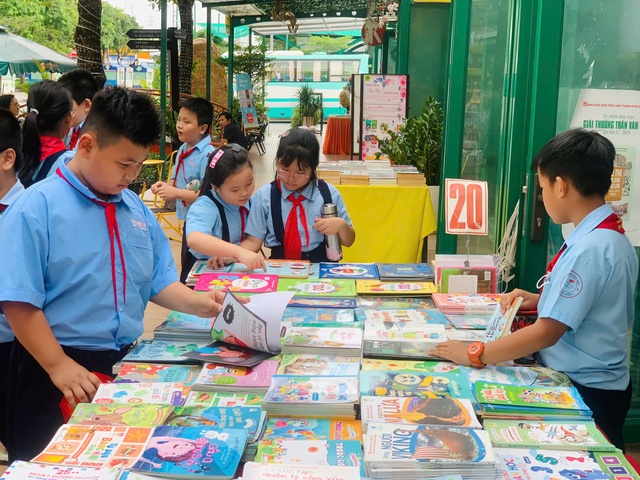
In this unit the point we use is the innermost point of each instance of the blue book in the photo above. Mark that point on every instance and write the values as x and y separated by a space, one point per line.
348 270
157 351
187 452
392 318
406 271
318 315
247 418
415 384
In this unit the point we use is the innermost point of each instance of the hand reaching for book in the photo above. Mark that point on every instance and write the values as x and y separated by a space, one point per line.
452 350
529 302
77 384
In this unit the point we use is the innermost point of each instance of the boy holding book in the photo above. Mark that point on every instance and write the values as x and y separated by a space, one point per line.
82 256
586 303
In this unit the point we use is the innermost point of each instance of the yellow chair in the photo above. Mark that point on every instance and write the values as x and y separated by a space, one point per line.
165 215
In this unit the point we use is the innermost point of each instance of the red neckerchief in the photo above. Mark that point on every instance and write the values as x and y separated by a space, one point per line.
244 213
292 242
112 228
74 138
50 145
3 207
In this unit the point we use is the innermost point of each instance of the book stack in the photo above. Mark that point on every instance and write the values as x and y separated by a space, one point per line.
396 288
160 352
223 378
199 268
329 172
299 316
410 179
354 177
465 273
348 270
461 304
419 272
414 384
148 372
339 340
381 176
260 471
393 303
184 327
237 282
325 288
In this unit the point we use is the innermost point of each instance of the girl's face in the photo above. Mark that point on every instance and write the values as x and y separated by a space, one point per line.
293 177
237 188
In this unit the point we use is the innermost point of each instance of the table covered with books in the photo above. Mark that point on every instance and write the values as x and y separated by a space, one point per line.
337 137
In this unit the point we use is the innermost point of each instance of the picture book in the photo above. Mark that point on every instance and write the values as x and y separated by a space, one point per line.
200 267
408 384
221 399
460 304
318 315
20 470
498 394
95 446
324 287
380 329
280 268
616 465
465 335
529 376
397 318
500 323
261 471
227 354
161 351
237 282
300 338
226 378
405 271
405 349
376 287
182 325
348 270
318 365
451 412
426 366
295 389
320 302
312 429
469 322
453 275
119 413
247 418
149 372
134 393
185 452
553 435
394 303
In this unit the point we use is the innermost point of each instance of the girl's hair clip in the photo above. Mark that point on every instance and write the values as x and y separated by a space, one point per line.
215 158
284 134
34 110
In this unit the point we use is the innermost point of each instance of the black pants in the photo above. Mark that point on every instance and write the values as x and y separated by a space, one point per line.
5 356
187 260
33 404
609 409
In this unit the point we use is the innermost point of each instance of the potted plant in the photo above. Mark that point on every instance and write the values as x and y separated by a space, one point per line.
308 105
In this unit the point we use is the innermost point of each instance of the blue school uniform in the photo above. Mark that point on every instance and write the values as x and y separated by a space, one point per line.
204 216
193 167
590 289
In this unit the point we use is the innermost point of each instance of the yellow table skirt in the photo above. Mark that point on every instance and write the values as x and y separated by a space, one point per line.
390 222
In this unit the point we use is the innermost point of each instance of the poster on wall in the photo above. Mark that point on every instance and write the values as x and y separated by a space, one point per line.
384 108
247 105
615 114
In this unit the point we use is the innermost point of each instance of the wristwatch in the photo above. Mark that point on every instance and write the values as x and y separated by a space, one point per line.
475 351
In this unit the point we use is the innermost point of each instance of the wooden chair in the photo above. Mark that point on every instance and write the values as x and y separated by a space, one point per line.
163 211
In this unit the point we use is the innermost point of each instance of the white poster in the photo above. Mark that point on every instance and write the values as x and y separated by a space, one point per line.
616 114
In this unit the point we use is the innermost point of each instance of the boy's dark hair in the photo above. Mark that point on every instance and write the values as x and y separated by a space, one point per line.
226 115
202 108
5 101
11 136
118 112
81 83
233 159
302 145
48 104
583 157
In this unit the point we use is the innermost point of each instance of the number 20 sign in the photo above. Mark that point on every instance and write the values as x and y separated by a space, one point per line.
466 206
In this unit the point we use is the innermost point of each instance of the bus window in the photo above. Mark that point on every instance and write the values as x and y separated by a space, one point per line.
282 71
340 70
305 71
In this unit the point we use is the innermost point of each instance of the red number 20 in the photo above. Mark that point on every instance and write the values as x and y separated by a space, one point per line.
472 195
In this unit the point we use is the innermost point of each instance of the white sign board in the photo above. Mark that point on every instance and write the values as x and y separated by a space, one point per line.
466 207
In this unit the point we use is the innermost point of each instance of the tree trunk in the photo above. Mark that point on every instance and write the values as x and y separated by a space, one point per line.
185 66
87 38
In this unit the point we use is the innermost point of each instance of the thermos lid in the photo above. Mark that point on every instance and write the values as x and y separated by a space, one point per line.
329 209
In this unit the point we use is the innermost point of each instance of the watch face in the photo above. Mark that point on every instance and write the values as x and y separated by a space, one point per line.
474 348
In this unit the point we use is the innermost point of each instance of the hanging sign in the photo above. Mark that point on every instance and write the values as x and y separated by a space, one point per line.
247 105
466 207
373 32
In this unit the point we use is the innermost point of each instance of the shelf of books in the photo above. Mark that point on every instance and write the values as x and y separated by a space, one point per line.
324 374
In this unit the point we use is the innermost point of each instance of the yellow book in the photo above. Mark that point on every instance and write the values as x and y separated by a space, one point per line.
376 287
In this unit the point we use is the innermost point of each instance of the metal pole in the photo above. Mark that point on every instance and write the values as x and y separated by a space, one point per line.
230 64
163 75
208 81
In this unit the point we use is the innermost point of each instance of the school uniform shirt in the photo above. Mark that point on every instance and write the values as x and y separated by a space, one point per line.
193 168
260 222
204 217
56 256
590 289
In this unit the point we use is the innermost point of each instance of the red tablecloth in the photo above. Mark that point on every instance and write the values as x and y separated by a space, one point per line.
337 137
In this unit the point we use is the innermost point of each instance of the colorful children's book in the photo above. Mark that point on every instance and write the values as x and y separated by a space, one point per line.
465 335
401 340
616 465
320 302
119 413
529 376
289 389
182 326
426 366
318 315
405 349
553 435
312 429
161 351
410 384
318 365
221 399
134 393
391 319
248 418
187 452
394 303
95 446
324 287
223 378
280 268
376 287
405 271
469 322
148 372
328 340
465 273
199 268
461 304
261 471
348 270
500 323
227 354
20 470
237 282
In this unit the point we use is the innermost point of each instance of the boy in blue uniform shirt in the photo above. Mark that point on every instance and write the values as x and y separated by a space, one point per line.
82 257
193 127
83 87
586 306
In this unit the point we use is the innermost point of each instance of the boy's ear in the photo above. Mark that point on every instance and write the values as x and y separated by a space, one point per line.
562 187
86 104
87 142
204 128
8 158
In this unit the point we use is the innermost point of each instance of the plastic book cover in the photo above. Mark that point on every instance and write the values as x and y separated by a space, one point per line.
417 271
20 470
312 429
222 399
392 443
425 366
184 321
554 435
323 337
376 287
324 287
381 329
391 319
405 349
564 398
237 282
294 389
95 446
200 267
318 365
348 270
318 315
262 471
131 415
530 376
469 322
465 335
148 372
280 268
193 451
248 418
342 303
500 323
463 304
616 465
451 412
160 351
237 377
410 384
394 303
158 393
227 354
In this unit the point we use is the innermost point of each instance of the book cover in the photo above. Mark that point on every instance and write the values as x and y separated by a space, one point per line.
616 465
95 446
318 365
259 376
247 418
451 412
500 323
192 451
553 435
280 268
323 337
449 303
342 303
465 335
222 399
261 471
200 267
295 389
469 322
131 415
376 287
394 303
227 354
160 351
318 315
324 287
409 384
381 329
312 429
530 376
564 398
406 271
184 321
134 393
148 372
395 319
348 270
20 470
425 366
237 282
405 349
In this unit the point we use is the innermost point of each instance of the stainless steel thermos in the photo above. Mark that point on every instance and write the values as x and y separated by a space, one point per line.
332 242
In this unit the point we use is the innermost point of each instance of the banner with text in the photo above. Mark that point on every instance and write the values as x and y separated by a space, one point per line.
247 105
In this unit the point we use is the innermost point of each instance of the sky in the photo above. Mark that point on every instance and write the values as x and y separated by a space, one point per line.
149 17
